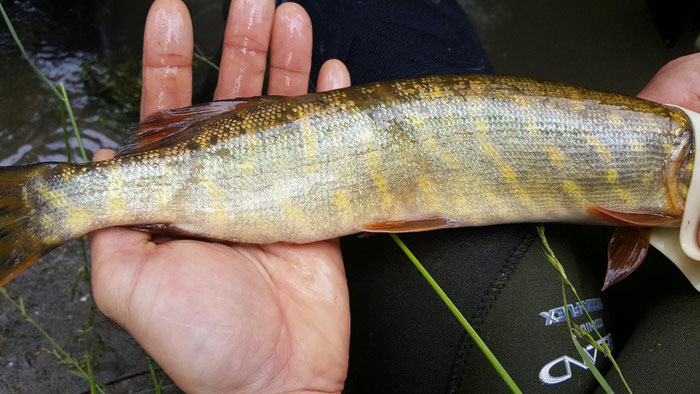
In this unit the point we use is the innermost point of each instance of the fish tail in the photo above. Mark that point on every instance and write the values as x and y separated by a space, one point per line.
20 245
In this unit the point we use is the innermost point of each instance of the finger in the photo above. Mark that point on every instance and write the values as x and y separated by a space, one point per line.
103 154
678 82
115 252
290 51
167 57
246 40
333 75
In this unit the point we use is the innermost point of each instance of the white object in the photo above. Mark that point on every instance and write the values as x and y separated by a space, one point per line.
681 245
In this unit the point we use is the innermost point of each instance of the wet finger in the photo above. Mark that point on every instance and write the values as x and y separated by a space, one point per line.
103 154
244 55
333 75
167 57
290 51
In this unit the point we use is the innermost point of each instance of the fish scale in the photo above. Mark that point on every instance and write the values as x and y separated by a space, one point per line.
417 154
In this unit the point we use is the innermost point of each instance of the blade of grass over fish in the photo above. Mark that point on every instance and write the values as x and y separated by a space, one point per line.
65 356
199 55
26 56
451 306
156 382
582 353
549 255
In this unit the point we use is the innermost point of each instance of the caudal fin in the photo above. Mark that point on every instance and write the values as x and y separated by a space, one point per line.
20 245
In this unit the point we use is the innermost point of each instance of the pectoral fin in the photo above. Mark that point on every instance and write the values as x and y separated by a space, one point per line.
627 249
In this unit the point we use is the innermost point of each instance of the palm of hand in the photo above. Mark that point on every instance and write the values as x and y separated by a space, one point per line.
276 312
226 317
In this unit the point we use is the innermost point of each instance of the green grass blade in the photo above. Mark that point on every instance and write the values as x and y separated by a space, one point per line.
199 55
84 377
66 102
604 344
86 261
549 254
584 355
462 320
91 377
156 382
69 156
26 56
78 374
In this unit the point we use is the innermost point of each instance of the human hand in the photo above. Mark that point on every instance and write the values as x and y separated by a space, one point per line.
229 317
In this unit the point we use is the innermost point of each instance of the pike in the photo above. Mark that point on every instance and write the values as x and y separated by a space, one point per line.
409 155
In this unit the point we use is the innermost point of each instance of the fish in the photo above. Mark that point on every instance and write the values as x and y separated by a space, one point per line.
410 155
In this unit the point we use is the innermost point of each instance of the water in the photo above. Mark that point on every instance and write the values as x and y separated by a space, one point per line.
31 122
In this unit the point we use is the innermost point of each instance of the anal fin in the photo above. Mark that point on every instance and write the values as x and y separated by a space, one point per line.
173 230
411 226
631 218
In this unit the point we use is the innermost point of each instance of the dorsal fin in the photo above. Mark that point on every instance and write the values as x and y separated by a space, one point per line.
169 127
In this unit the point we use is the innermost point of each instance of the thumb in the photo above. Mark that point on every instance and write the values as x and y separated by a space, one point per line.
678 82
